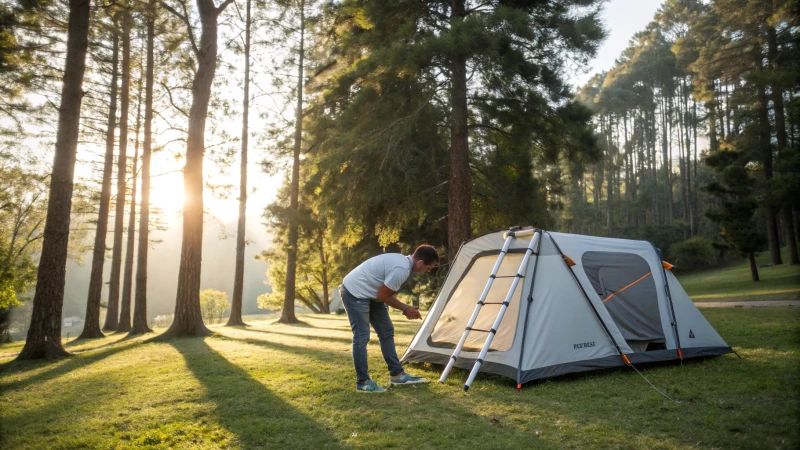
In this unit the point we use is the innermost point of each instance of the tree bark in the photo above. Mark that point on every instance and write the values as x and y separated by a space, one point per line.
459 196
127 283
91 326
44 334
289 294
766 152
783 144
753 268
112 316
139 325
667 162
326 303
235 318
609 175
188 317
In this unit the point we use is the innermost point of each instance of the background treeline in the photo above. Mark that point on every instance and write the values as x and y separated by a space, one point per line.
692 137
698 123
396 123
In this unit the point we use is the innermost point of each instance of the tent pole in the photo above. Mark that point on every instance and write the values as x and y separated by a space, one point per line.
669 298
528 311
522 267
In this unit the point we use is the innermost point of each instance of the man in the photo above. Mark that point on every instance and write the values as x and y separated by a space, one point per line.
367 293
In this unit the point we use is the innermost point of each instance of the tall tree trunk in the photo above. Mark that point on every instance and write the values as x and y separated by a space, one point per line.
651 151
713 142
609 176
188 317
139 325
112 315
44 334
289 294
694 210
324 260
766 151
687 160
460 184
667 162
127 283
726 125
780 130
91 326
235 318
753 267
682 162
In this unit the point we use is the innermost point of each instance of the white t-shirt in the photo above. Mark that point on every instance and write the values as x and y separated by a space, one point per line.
391 269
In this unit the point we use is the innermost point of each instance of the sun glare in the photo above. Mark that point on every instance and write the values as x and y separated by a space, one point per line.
167 193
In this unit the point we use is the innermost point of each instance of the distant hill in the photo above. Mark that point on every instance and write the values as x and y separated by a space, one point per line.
162 276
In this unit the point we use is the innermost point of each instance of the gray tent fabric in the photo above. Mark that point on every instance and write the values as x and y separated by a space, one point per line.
625 283
613 301
335 304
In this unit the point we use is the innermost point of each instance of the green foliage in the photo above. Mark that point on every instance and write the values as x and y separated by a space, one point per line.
23 206
213 304
692 254
736 194
379 126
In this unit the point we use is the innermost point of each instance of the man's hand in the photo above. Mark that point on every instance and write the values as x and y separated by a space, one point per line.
412 313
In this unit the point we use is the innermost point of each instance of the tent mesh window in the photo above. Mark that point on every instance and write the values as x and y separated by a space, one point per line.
625 284
465 295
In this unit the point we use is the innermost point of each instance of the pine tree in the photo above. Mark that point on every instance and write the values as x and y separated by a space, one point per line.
188 318
44 334
384 54
91 327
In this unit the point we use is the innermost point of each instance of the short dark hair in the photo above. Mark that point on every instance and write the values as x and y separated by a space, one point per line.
426 253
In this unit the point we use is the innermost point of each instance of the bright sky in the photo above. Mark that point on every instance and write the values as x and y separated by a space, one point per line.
167 189
622 19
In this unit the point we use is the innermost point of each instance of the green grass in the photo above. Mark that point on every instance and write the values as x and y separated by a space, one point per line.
734 283
277 386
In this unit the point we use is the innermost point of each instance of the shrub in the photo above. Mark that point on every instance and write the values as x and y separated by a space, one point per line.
692 254
213 304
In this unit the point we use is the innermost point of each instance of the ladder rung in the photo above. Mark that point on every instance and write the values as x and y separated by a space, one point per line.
482 331
507 276
495 303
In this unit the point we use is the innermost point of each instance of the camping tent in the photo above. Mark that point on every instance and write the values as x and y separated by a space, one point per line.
336 300
578 303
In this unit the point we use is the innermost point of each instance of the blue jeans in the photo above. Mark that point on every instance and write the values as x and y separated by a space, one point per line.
362 312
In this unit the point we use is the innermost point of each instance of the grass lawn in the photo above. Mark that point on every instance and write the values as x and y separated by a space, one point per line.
276 386
733 282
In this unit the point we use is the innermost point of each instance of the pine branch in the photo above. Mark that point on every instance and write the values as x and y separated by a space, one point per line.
185 19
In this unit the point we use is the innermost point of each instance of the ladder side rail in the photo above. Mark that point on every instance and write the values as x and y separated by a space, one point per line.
522 267
537 252
477 309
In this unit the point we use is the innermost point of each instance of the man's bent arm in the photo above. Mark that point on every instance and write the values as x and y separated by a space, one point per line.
386 295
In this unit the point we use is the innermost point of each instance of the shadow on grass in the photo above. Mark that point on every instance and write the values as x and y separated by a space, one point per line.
341 340
260 418
57 367
320 355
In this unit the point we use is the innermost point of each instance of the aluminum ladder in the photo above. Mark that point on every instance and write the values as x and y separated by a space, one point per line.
510 236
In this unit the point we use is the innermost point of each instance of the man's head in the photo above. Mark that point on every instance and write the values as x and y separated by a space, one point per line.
425 258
